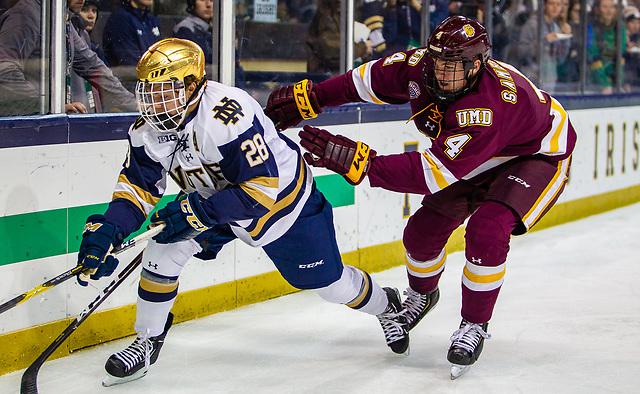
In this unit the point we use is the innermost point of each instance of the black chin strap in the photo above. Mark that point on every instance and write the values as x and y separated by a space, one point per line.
191 98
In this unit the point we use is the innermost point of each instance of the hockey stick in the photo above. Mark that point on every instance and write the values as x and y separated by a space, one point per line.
77 270
28 385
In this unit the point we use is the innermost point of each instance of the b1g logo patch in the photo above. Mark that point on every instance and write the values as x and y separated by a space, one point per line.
414 90
167 138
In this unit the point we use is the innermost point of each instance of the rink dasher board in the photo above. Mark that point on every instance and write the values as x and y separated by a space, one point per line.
50 181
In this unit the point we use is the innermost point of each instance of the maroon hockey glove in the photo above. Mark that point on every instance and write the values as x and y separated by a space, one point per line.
289 105
336 153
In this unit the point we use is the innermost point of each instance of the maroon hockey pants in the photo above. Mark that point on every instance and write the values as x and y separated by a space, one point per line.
487 244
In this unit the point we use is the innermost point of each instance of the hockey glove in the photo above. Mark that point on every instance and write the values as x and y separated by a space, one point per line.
184 218
337 153
289 105
98 237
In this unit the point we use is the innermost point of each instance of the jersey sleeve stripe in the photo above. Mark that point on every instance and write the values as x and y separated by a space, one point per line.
130 197
281 204
555 142
256 189
548 195
362 80
435 178
140 197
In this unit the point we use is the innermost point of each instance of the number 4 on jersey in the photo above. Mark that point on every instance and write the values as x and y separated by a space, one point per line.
455 143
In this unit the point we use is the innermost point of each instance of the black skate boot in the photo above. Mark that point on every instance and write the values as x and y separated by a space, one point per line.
466 346
133 362
394 324
418 305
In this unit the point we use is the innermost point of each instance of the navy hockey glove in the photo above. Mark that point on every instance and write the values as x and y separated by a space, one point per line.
98 237
336 153
184 218
289 105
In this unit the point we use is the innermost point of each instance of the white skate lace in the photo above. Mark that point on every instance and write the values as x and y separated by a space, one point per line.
469 336
393 330
414 303
133 354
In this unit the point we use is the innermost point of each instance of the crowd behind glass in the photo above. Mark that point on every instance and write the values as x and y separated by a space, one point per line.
564 46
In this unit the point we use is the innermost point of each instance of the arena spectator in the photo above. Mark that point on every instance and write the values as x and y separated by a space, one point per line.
601 45
129 31
323 40
632 54
20 73
555 47
197 25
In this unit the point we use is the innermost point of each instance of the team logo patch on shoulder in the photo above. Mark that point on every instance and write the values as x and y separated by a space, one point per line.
229 111
414 90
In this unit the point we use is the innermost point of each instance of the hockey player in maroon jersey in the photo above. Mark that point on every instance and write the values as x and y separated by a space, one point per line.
500 155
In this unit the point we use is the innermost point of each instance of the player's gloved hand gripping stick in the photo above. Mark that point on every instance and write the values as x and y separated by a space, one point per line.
75 271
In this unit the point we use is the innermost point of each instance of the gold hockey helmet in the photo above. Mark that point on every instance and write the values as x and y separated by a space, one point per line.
164 71
171 58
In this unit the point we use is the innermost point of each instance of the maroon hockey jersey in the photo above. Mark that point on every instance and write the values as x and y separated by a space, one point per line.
504 116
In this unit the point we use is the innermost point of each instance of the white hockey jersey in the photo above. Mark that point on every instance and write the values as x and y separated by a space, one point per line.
251 176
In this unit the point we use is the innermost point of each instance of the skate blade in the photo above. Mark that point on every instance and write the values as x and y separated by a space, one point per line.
458 370
111 380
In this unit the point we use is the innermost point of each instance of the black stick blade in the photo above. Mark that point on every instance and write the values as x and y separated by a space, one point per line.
29 385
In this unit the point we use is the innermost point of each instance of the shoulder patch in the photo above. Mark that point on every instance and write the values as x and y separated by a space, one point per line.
414 90
229 111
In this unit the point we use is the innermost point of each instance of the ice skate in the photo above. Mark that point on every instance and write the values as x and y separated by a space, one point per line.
394 324
418 305
466 346
133 362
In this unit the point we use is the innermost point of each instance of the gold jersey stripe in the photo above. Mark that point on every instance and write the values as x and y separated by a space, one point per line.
282 203
437 174
555 140
130 197
143 194
258 195
548 195
362 72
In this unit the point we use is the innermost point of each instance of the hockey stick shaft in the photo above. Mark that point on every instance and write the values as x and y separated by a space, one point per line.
28 385
63 277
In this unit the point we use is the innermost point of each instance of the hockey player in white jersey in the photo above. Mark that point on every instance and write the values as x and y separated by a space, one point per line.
239 178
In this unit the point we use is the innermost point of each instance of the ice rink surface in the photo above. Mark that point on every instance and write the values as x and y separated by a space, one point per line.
567 321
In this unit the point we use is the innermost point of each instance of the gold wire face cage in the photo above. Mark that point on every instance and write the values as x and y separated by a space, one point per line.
162 104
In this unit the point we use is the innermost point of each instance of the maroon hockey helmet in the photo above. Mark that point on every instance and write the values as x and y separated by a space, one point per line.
457 39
